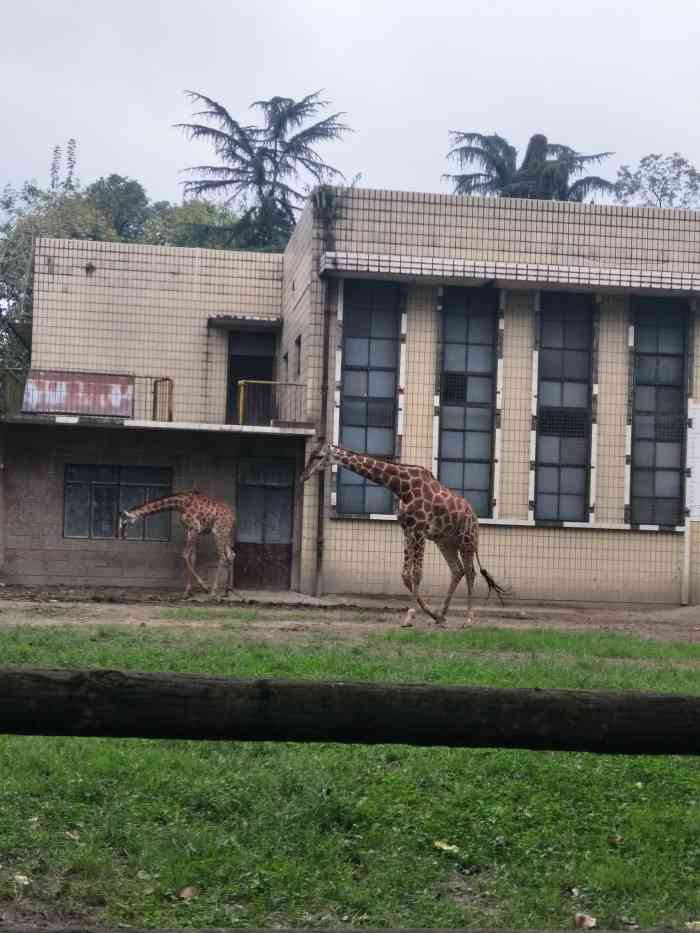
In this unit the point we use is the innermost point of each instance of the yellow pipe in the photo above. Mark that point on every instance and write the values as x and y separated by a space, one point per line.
241 400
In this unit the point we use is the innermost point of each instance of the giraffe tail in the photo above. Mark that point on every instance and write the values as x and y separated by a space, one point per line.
499 590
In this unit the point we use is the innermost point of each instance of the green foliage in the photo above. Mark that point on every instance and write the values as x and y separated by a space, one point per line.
26 213
659 181
112 208
548 170
194 223
262 167
124 201
328 835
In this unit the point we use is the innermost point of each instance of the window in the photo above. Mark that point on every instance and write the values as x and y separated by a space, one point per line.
94 495
660 415
370 369
564 410
297 357
265 500
285 368
468 391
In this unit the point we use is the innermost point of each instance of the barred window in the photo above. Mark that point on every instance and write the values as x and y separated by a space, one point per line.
660 411
468 392
371 324
562 463
94 495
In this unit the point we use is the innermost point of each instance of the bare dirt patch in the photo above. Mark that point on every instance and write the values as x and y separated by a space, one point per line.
283 616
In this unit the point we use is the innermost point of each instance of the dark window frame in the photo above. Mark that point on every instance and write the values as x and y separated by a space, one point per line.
469 303
136 532
367 297
674 431
574 421
241 484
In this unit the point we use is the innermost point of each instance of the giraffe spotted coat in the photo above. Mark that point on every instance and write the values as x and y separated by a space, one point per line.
428 511
199 515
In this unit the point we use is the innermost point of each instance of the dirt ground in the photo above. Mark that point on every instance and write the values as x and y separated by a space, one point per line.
280 615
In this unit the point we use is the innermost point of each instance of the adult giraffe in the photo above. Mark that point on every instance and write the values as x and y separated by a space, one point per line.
200 515
427 511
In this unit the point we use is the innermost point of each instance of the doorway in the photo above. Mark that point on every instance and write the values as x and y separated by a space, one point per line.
265 524
251 356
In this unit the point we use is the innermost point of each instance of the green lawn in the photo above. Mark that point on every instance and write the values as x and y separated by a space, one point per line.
323 835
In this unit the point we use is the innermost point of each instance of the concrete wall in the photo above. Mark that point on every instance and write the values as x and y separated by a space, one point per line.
35 551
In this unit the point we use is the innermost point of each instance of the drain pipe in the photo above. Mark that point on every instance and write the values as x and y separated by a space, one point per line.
320 511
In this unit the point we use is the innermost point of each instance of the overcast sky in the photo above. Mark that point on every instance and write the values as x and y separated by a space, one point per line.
593 75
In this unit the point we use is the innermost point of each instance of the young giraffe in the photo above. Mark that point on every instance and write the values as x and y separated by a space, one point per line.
427 510
200 515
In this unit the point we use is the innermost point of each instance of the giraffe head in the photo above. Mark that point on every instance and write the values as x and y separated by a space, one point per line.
321 456
125 519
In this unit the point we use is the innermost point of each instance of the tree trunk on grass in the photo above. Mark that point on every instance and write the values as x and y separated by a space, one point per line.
177 706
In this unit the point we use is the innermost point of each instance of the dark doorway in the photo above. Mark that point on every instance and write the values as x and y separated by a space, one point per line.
251 356
265 524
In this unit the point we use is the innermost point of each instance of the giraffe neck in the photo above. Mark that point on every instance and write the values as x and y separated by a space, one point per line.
378 471
176 503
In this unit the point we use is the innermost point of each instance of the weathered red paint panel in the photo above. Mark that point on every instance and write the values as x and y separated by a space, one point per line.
55 392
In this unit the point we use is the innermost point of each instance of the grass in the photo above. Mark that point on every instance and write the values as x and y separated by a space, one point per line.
325 835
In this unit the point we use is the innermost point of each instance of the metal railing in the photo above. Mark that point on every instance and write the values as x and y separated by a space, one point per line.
264 403
82 392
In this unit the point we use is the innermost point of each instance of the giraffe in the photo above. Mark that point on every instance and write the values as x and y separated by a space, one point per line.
200 515
427 511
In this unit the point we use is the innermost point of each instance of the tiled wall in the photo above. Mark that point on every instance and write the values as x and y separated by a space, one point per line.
536 562
554 239
303 313
116 307
518 344
613 353
421 357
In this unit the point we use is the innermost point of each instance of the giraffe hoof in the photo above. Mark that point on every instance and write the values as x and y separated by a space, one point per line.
408 619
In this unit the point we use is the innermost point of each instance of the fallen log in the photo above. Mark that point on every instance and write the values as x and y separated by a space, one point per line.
178 706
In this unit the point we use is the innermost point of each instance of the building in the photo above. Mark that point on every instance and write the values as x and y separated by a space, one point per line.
539 357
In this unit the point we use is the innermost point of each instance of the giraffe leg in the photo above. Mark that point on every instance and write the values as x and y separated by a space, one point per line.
412 576
188 578
230 557
226 557
467 552
217 574
449 551
189 556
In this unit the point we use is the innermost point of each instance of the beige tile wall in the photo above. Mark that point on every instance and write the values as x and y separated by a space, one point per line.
536 563
579 236
613 367
303 311
117 307
518 344
423 321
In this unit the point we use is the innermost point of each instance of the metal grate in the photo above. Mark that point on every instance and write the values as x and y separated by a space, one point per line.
563 422
454 388
670 428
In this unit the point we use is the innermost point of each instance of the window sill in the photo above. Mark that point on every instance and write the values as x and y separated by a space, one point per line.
520 523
